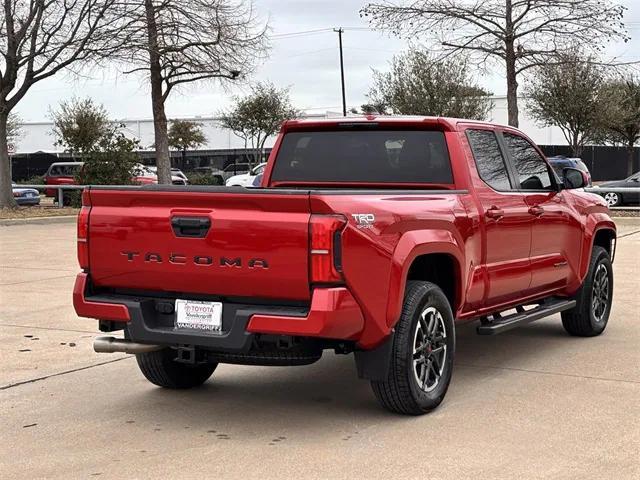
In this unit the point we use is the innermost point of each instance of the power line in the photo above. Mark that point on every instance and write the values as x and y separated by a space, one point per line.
301 33
321 30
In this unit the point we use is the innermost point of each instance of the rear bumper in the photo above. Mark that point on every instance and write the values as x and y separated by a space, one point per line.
27 200
333 314
94 306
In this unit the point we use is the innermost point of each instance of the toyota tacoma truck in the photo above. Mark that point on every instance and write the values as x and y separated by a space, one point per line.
375 236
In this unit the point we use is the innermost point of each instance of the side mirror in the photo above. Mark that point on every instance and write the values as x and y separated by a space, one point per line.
573 178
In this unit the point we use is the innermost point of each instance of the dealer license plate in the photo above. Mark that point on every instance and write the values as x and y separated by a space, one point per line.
196 315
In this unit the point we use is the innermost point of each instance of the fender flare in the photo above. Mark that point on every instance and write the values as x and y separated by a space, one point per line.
595 223
412 245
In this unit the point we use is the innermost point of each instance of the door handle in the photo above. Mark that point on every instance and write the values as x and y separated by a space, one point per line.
536 210
495 212
193 227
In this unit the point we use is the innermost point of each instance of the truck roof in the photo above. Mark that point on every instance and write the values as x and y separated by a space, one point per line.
445 123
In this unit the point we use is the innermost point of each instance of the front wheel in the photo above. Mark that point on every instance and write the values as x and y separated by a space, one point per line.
422 353
593 301
161 369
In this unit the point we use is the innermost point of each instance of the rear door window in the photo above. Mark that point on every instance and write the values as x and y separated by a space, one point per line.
367 156
489 160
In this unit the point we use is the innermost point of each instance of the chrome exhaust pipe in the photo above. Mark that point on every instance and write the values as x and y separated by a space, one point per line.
113 345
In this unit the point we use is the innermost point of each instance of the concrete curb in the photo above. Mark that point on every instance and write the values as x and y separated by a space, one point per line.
9 222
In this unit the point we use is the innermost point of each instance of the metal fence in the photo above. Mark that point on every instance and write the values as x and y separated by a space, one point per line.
59 188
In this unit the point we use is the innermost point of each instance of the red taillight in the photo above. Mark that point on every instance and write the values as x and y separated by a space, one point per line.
83 231
325 254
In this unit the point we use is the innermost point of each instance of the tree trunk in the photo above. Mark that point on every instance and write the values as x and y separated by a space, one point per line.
630 155
512 76
576 147
163 161
512 90
6 192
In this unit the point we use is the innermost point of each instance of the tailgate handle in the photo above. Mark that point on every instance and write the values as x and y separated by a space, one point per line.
192 227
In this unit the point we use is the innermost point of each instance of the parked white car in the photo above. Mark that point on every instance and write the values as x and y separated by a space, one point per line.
246 179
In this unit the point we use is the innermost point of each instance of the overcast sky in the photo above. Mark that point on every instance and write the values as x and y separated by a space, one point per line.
307 63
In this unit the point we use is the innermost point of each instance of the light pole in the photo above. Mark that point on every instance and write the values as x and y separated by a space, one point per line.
340 31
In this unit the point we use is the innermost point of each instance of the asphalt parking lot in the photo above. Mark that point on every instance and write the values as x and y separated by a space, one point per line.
532 403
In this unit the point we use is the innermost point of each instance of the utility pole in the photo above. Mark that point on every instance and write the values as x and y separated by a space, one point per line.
339 31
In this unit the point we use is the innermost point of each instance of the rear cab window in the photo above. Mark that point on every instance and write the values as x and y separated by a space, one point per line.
489 159
363 156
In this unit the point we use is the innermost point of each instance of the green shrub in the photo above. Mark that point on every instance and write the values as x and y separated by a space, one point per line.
111 161
73 198
35 180
203 179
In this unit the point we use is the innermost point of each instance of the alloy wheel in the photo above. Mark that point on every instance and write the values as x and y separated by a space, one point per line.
429 349
600 293
611 198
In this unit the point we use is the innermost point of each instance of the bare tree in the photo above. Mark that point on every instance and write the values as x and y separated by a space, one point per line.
178 42
517 34
571 95
38 39
419 84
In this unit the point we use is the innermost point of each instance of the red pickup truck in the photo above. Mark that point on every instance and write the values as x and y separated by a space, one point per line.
372 236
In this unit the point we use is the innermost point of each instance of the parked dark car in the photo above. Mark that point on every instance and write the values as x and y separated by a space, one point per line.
560 162
26 196
615 199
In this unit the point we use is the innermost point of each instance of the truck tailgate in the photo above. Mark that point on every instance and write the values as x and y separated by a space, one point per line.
201 240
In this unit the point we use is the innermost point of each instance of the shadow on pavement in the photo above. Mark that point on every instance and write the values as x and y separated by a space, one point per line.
318 396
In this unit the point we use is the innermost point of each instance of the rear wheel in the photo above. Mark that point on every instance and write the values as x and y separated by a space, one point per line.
161 369
422 354
593 301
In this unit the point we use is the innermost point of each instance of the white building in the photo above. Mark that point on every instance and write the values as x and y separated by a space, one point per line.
38 136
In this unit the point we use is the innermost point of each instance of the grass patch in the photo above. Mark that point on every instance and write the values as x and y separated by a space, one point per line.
45 209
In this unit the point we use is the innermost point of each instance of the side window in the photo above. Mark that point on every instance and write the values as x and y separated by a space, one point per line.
532 170
489 159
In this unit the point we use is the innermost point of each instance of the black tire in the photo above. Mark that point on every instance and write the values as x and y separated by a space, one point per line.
585 320
161 369
402 391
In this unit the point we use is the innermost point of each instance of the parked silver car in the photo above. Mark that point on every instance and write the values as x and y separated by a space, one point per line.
25 196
